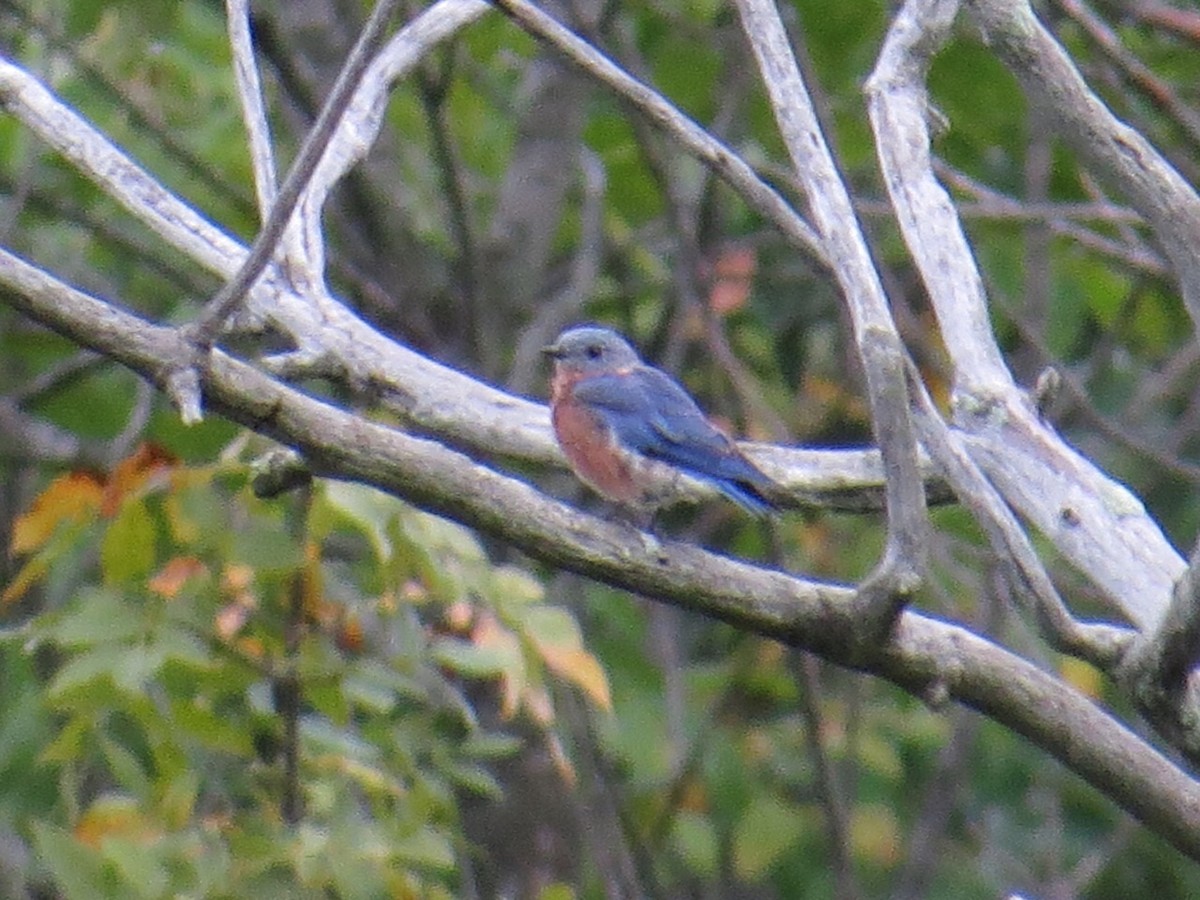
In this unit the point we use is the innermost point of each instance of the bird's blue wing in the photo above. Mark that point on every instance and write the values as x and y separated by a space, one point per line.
652 415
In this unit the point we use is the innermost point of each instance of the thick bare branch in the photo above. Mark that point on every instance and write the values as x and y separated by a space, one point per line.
933 659
899 109
56 123
1161 668
1102 645
1094 521
879 345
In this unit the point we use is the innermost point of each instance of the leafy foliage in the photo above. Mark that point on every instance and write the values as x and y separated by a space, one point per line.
210 625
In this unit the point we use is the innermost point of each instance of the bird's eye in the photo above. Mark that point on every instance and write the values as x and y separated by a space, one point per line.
594 351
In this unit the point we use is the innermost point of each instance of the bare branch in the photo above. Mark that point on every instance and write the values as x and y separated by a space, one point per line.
1096 523
1137 72
430 397
205 329
1161 669
826 786
1103 645
254 111
879 345
898 107
1051 80
56 123
691 136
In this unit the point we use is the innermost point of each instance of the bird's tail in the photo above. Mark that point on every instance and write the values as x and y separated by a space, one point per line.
758 500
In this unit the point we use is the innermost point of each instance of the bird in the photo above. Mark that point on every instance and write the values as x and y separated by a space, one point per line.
629 429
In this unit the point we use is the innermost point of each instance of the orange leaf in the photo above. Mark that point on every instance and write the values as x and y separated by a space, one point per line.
350 636
488 632
580 668
236 578
539 705
74 497
459 616
168 581
149 461
733 276
230 619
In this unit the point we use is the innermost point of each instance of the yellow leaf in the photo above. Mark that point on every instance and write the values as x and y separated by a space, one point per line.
30 573
875 834
555 636
539 705
114 816
1081 675
74 497
236 578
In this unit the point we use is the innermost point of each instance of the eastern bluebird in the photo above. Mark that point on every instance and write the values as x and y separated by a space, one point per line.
624 425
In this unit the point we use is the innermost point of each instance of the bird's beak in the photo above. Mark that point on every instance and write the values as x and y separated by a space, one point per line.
553 351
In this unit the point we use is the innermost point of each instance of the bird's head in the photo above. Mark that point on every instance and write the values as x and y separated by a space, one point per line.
590 348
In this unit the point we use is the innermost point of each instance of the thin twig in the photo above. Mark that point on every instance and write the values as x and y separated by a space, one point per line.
254 112
286 689
203 331
1134 70
740 176
829 792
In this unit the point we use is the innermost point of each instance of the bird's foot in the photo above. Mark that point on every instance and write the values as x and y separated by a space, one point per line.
642 521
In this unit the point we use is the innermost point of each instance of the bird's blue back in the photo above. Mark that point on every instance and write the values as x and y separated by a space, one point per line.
651 414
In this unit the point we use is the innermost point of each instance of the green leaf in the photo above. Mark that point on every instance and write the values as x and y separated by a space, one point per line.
138 664
127 550
472 660
425 847
77 870
125 767
510 586
178 799
214 731
696 841
97 616
476 779
767 829
265 546
491 745
367 510
551 625
140 868
84 670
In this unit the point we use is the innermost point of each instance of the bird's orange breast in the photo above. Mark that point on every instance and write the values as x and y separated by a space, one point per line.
593 452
